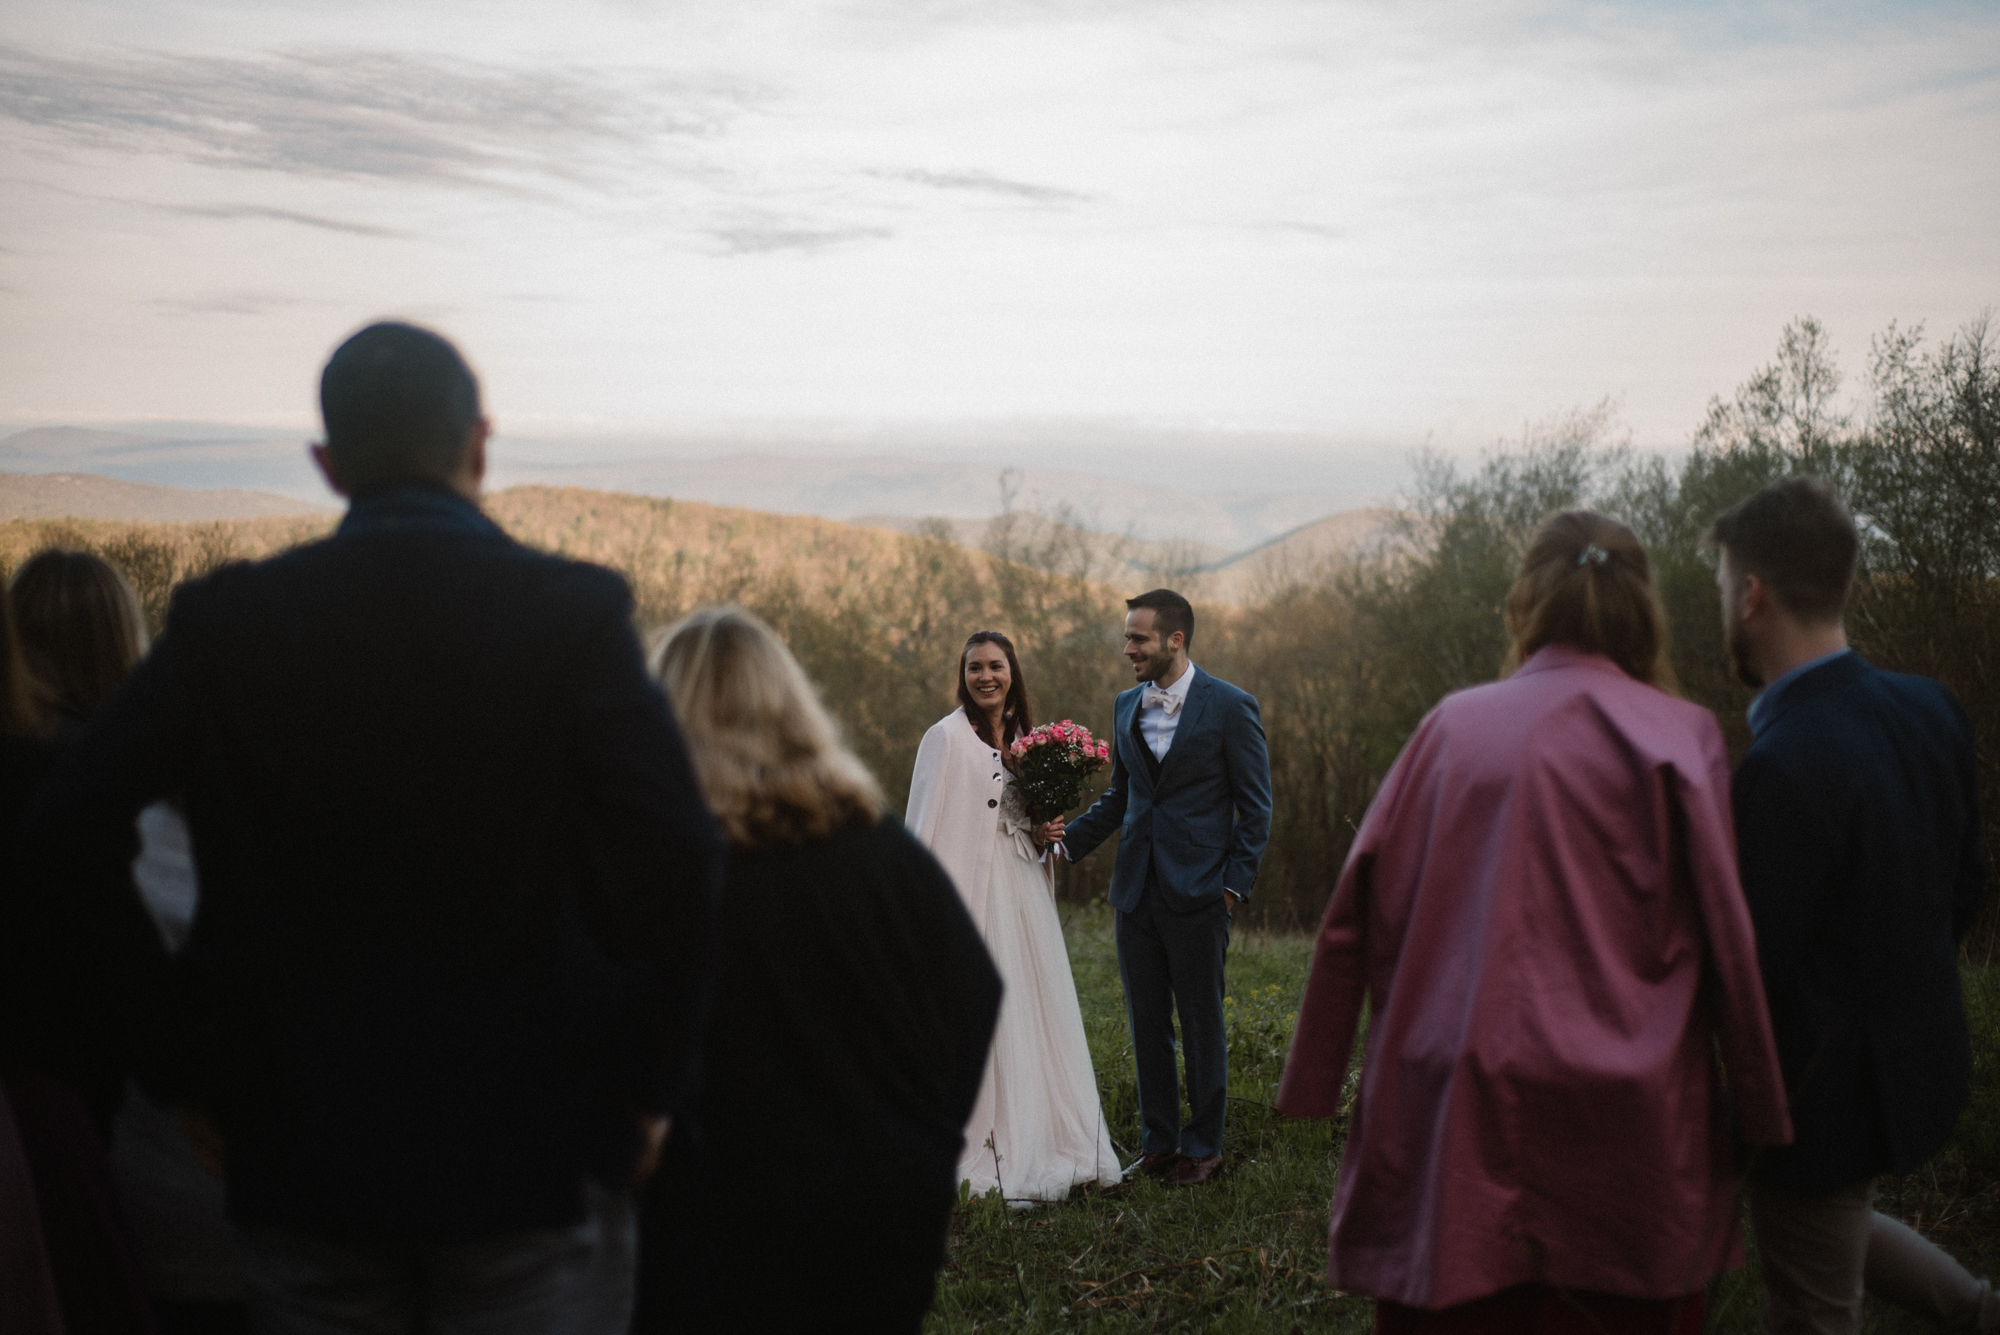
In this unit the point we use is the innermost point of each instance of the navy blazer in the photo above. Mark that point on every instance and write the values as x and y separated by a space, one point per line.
1857 822
1199 818
457 882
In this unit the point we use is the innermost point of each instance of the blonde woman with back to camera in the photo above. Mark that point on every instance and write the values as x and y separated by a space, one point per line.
1543 912
849 1028
82 973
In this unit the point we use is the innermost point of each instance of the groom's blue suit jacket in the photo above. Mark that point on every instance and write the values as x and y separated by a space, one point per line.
1200 818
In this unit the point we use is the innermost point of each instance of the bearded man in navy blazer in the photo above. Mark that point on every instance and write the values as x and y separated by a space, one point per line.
1857 823
1190 802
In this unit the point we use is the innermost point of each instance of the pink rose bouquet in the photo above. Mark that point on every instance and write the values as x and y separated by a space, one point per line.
1050 765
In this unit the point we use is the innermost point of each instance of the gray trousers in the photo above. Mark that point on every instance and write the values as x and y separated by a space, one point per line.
1820 1250
568 1281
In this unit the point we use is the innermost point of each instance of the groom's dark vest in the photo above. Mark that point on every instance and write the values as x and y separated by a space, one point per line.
1145 748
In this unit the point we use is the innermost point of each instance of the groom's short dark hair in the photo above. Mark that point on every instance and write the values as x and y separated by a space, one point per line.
1171 613
398 402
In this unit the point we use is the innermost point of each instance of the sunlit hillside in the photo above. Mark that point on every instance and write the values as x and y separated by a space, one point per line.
679 553
676 553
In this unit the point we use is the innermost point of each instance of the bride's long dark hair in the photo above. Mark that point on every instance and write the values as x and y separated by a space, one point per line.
1016 716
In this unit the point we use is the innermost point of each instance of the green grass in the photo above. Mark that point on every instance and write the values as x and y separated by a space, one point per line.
1247 1253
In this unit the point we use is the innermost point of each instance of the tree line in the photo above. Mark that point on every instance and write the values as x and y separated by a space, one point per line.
1348 663
1348 655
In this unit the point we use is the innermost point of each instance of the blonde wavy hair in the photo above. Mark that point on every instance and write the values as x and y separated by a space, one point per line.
1586 582
80 628
768 757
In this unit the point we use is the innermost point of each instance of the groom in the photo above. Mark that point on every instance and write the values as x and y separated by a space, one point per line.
1190 799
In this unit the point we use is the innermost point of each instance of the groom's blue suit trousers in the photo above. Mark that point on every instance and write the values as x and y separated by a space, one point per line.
1172 962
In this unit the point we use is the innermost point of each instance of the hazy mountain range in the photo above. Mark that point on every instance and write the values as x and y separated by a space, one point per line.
846 487
1200 570
88 496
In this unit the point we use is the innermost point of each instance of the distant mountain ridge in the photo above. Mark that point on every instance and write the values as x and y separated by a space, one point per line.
224 461
1142 502
1200 570
849 488
1303 553
88 496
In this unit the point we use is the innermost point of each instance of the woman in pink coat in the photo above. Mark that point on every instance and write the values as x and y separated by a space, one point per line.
1542 912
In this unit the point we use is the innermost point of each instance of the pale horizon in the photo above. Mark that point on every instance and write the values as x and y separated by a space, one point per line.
1360 227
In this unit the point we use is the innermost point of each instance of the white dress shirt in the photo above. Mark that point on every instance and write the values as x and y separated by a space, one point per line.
1156 725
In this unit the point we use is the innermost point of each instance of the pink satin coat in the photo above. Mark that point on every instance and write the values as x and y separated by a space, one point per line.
1542 911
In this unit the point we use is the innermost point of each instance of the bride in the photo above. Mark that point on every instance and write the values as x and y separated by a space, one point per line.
1037 1129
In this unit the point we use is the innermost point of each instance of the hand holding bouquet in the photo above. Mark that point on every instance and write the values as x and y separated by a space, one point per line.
1051 764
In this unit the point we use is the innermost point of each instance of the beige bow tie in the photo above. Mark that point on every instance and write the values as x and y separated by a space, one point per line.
1153 696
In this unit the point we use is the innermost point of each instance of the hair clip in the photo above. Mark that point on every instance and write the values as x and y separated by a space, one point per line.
1592 555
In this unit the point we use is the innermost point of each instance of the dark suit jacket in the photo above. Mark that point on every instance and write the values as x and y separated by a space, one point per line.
1199 818
457 882
1857 821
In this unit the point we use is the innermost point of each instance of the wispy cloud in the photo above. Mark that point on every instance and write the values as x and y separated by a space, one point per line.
230 303
763 239
357 114
259 211
986 183
227 211
1301 228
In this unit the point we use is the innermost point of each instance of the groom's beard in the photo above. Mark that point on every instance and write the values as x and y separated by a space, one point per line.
1739 657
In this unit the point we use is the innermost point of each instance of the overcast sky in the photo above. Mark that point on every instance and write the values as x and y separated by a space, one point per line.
1376 221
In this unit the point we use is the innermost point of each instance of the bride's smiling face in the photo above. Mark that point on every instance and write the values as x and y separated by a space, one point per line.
987 677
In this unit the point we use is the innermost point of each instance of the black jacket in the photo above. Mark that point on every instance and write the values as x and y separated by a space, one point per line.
845 1051
1857 820
457 882
82 968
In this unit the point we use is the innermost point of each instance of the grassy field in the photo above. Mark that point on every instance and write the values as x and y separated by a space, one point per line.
1247 1252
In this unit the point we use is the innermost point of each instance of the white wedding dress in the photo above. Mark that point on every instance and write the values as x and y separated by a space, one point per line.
1037 1129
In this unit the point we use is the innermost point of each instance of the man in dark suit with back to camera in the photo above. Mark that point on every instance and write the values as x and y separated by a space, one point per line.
442 987
1857 820
1190 802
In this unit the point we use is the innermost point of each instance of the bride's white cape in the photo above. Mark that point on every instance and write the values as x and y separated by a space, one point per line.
1037 1129
959 781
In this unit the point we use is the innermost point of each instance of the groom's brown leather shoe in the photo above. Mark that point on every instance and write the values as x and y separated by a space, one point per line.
1194 1172
1154 1165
